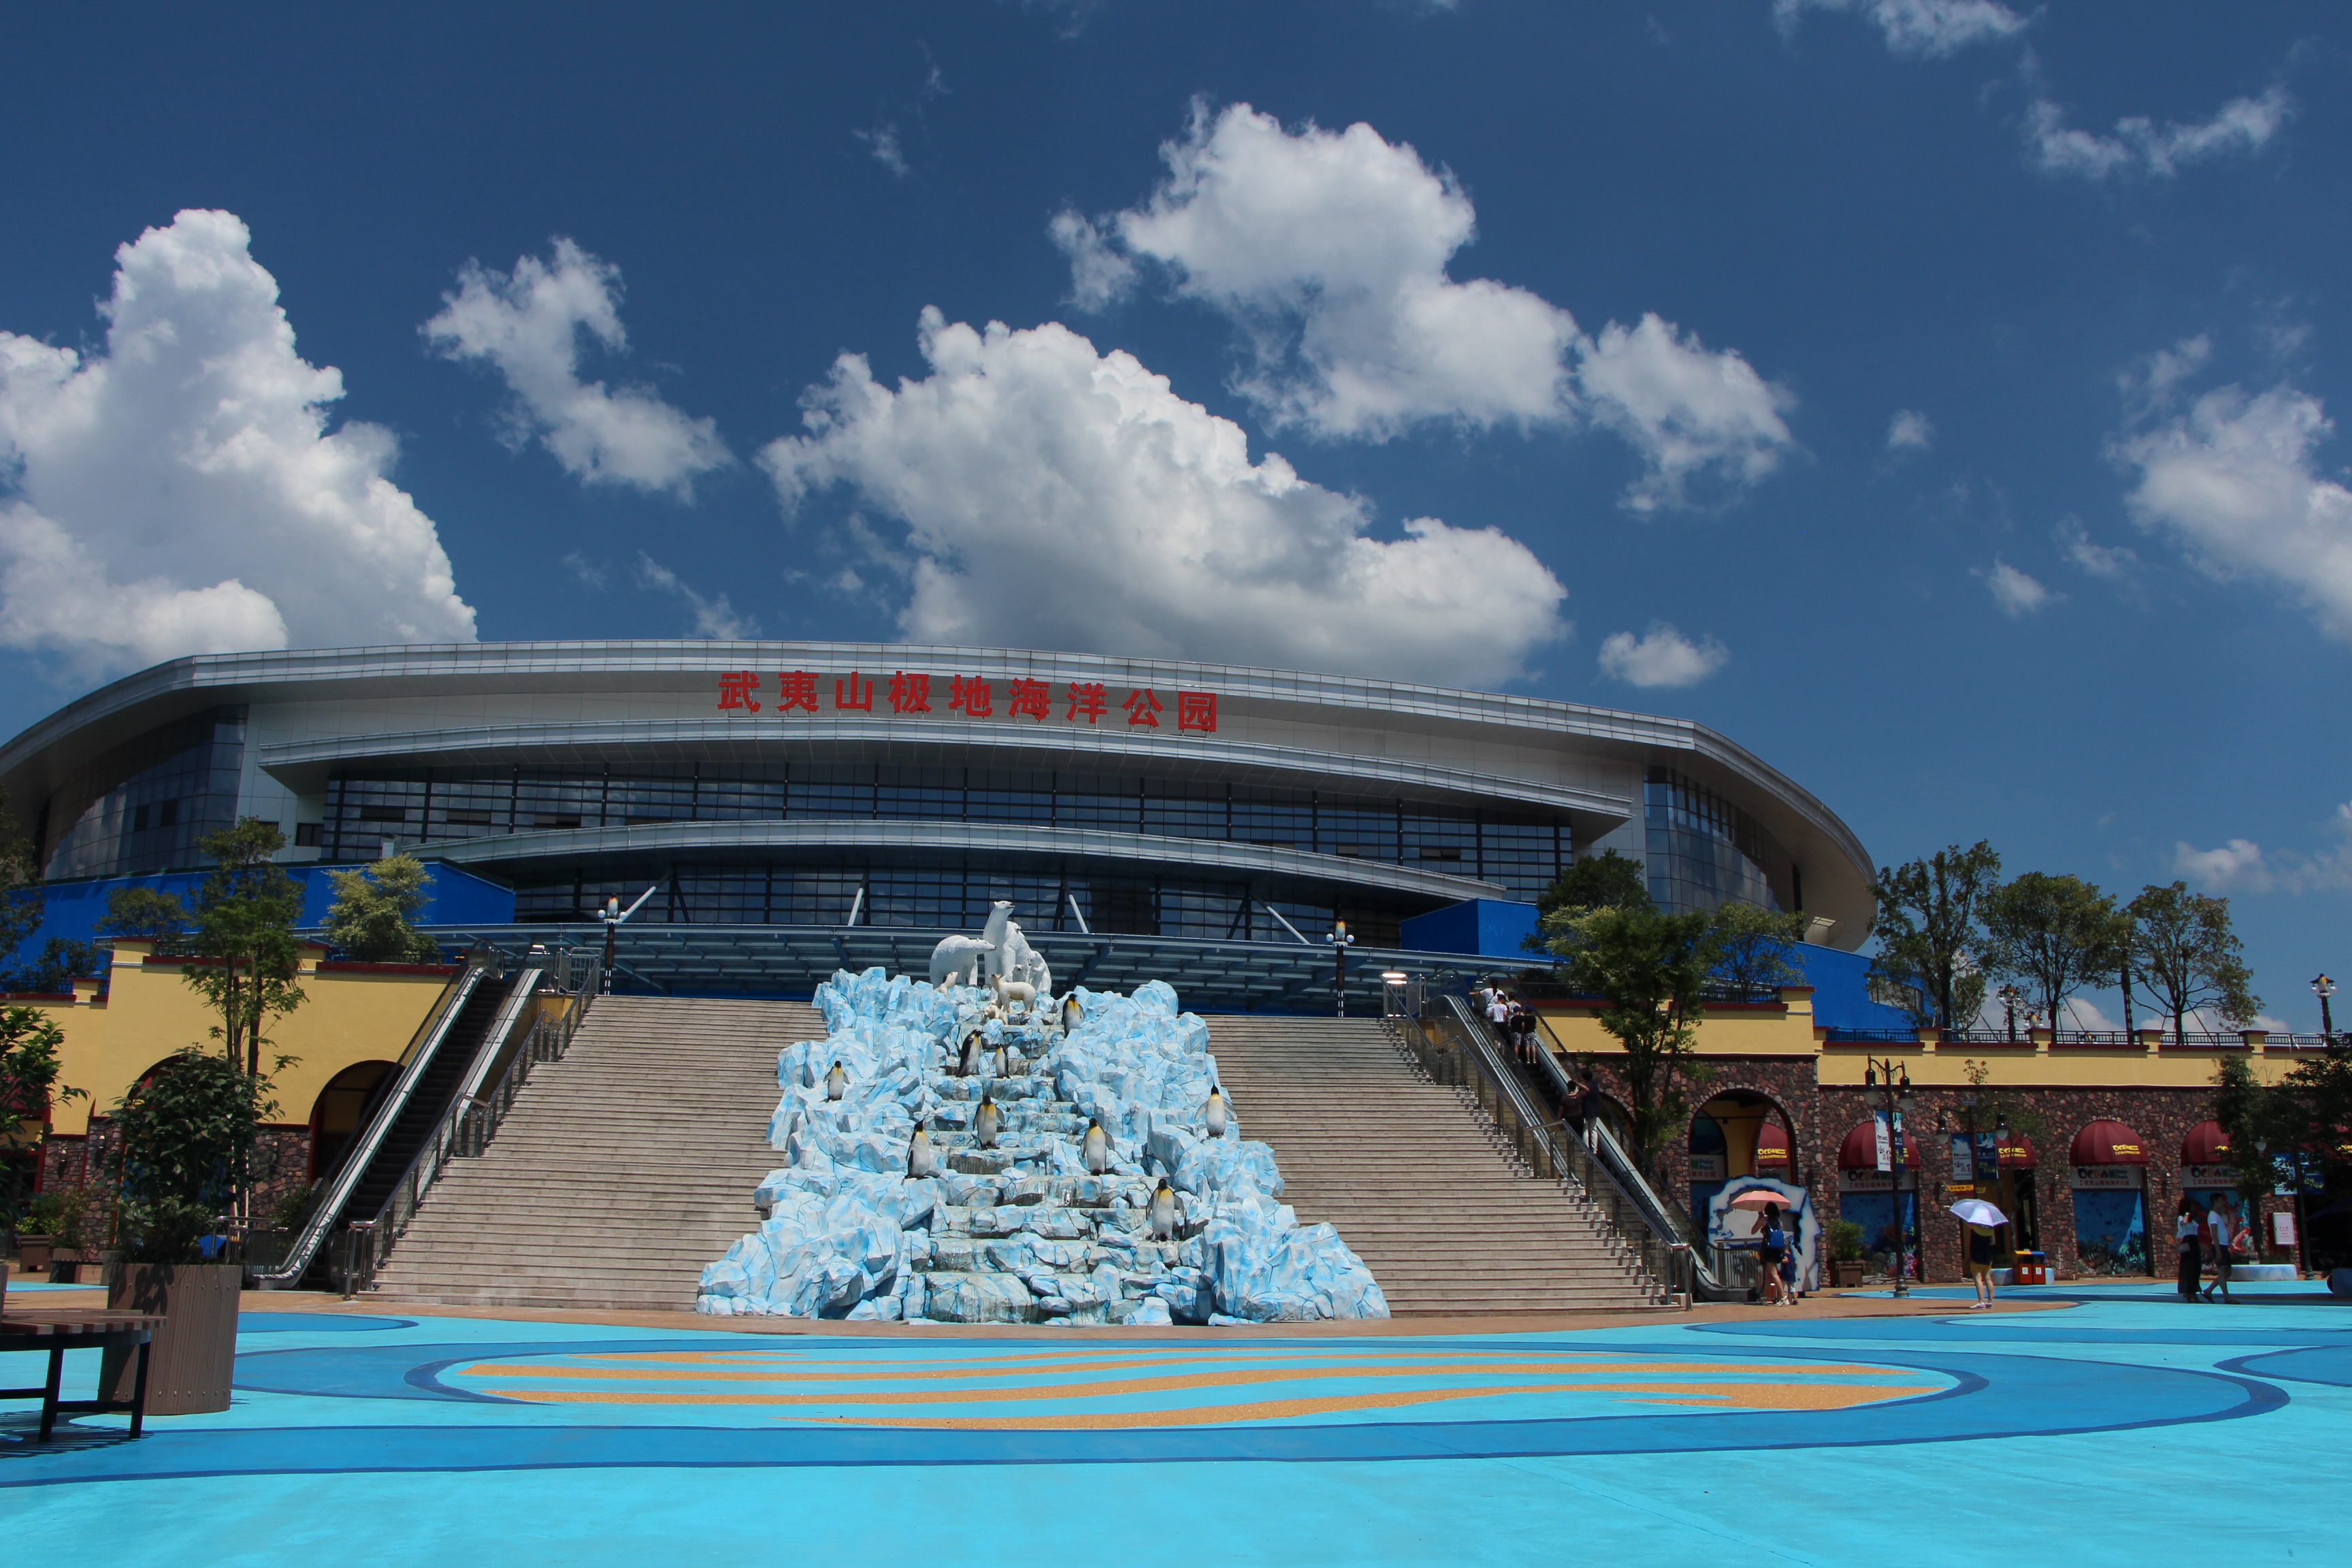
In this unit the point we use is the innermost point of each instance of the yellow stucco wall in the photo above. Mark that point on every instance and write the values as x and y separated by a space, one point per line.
1788 1030
347 1017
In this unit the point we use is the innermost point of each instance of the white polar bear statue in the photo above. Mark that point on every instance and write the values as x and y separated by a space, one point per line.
957 960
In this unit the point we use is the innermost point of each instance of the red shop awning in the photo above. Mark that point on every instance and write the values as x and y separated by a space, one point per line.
1772 1145
2107 1143
1859 1150
2208 1144
2018 1153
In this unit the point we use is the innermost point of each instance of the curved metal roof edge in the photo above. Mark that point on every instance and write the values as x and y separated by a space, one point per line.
224 671
1016 838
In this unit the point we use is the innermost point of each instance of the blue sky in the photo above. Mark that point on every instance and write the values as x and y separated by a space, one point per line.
1934 395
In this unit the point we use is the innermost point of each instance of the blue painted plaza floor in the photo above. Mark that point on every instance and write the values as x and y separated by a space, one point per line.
2122 1426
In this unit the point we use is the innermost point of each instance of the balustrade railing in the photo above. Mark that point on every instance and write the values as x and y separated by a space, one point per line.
465 1132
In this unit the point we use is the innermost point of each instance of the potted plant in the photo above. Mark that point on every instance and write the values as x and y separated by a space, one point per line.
188 1135
1846 1263
55 1222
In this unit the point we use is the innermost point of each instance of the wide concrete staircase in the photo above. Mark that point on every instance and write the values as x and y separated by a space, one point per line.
1415 1177
629 1165
622 1169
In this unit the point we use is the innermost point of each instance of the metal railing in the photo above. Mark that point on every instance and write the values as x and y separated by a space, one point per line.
1454 1047
471 1122
276 1259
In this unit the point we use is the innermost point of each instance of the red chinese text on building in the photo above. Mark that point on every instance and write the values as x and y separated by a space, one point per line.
1196 711
735 689
796 688
1033 698
853 695
1143 707
910 693
1087 702
972 698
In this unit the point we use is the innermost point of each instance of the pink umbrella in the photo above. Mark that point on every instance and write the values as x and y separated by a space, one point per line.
1759 1199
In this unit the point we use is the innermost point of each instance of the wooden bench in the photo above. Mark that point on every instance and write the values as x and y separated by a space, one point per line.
59 1329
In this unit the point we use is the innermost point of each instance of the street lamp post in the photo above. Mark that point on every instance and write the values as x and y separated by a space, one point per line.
2009 997
1340 942
1896 1090
2324 988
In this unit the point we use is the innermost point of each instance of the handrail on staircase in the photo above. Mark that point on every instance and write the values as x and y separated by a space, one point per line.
473 1118
316 1217
1473 1060
1710 1273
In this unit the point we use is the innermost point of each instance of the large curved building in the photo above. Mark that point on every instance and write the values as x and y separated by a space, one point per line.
767 789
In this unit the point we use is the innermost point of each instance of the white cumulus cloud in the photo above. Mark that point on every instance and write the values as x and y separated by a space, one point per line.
1329 250
2139 146
1920 28
1057 497
2241 866
2234 481
2018 594
1910 431
1661 657
712 617
180 492
529 324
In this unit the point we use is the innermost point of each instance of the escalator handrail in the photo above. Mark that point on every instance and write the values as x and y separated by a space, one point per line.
1600 1146
1563 1151
1660 1214
502 1029
319 1214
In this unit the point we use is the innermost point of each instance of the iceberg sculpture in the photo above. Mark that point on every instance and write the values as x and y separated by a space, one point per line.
1020 1232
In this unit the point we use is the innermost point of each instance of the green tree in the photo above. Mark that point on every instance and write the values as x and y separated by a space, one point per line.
2185 958
1652 971
374 916
146 914
22 908
1605 881
189 1134
29 1070
61 962
2056 933
2307 1115
1930 930
29 1086
244 920
1755 944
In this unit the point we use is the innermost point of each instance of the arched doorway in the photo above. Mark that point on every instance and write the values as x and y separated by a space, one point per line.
2019 1167
1736 1134
335 1116
2109 1163
1884 1204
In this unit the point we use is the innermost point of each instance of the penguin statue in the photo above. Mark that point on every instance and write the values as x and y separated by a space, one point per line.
836 1082
1162 1212
1072 1014
922 1160
1214 1115
1095 1148
1003 1062
970 1066
986 1122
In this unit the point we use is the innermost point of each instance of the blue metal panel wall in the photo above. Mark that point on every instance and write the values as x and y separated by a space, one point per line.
1491 928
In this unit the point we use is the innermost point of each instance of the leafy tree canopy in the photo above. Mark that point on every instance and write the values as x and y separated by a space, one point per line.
374 913
188 1137
243 918
30 1068
148 914
1755 945
2186 959
1930 930
1604 881
2056 933
1651 969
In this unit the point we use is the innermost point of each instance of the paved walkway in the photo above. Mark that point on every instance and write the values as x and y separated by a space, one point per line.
2086 1425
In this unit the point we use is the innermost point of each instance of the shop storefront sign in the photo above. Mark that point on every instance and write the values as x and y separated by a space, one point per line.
1868 1182
2107 1178
1707 1167
2209 1175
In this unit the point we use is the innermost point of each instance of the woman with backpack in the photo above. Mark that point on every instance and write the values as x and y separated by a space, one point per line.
1775 1250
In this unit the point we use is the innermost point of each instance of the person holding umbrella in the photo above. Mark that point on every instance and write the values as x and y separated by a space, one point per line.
1981 1218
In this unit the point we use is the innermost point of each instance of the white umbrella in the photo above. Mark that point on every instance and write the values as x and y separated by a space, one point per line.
1975 1211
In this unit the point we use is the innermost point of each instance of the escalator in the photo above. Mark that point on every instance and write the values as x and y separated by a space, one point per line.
452 1053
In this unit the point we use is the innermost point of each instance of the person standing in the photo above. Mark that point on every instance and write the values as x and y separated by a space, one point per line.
2222 1232
2188 1243
1981 1265
1776 1248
